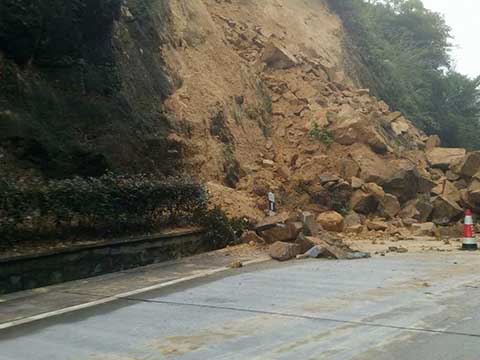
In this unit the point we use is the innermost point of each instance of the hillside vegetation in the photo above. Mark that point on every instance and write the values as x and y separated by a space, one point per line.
405 50
81 88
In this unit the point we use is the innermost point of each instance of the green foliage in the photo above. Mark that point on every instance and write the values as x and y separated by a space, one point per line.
231 166
96 207
220 230
219 128
109 206
340 206
456 99
322 135
77 100
405 48
265 108
238 110
56 31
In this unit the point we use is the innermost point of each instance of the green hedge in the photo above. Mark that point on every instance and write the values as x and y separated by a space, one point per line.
97 207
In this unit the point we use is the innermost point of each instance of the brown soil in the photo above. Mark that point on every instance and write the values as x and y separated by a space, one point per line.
267 114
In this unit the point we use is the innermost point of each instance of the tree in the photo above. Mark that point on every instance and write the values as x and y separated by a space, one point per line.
405 49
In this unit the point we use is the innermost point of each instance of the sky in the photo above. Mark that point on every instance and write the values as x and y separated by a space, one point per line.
462 17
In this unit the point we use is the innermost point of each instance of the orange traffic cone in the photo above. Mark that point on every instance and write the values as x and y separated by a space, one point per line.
469 240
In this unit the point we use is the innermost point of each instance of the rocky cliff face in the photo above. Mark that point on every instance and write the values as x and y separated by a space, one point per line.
249 96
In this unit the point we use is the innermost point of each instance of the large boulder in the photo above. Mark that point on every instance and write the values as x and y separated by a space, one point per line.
283 251
376 225
310 225
432 142
469 165
363 202
406 183
375 168
418 209
375 190
331 221
448 190
425 182
326 178
347 168
473 191
443 158
282 232
400 126
389 206
277 57
357 128
356 183
445 211
451 192
328 250
271 221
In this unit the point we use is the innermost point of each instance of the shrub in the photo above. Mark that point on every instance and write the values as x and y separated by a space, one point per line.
321 134
405 49
99 207
219 230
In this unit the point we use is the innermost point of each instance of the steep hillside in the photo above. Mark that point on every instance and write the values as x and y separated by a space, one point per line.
269 100
273 103
227 99
82 85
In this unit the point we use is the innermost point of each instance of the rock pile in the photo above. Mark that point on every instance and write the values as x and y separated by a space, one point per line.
301 236
341 151
338 152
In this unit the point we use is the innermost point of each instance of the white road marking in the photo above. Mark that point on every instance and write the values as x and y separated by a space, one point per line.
127 294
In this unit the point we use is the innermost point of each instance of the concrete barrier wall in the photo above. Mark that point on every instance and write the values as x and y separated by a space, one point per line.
28 272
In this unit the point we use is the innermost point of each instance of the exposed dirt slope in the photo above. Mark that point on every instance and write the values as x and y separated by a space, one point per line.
268 102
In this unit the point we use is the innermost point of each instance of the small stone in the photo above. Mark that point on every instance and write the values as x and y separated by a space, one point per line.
236 265
268 163
314 252
357 183
425 229
376 225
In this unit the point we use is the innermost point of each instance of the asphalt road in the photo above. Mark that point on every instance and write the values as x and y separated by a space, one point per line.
402 307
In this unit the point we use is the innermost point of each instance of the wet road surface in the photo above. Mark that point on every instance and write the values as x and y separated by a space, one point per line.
412 306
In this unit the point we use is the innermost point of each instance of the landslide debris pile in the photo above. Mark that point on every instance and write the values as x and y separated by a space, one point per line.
298 236
338 152
263 96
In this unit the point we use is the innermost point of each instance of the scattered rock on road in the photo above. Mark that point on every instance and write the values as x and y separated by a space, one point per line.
236 265
331 221
283 251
